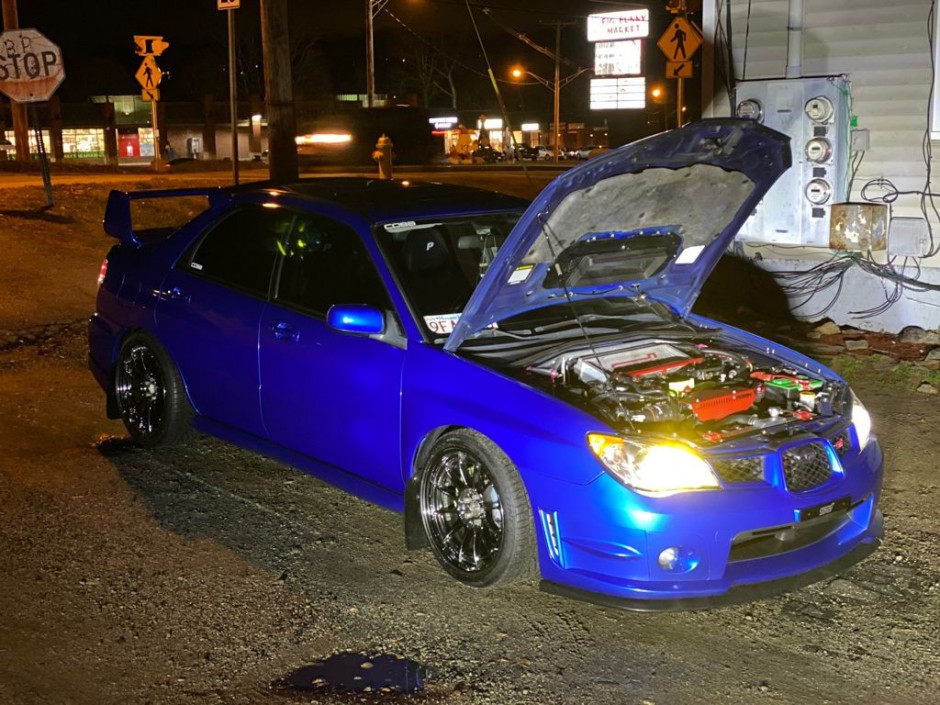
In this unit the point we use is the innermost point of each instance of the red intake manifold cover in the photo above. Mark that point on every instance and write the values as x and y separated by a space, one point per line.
714 404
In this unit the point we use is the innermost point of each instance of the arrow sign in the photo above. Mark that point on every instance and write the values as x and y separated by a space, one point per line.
149 74
150 94
147 45
678 69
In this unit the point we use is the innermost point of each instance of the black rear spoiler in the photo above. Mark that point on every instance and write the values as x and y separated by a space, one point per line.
117 214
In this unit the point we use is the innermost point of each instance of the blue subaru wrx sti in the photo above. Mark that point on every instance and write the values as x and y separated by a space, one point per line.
526 384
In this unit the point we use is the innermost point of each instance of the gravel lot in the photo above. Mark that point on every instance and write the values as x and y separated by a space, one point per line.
207 574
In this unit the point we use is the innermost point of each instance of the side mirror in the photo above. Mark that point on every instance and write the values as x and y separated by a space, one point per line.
356 318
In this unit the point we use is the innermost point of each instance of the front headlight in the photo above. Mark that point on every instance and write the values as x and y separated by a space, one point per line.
862 421
652 468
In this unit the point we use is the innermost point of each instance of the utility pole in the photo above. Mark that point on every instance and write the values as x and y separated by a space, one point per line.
232 91
373 8
282 124
557 84
370 56
11 21
557 105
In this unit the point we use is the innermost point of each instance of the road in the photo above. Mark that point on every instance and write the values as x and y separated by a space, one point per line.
206 574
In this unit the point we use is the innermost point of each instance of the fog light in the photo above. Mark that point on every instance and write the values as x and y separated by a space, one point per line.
677 559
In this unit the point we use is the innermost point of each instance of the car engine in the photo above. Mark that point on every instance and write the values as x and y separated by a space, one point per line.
693 390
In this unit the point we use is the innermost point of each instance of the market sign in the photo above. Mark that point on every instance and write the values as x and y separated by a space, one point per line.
618 58
30 66
618 93
613 26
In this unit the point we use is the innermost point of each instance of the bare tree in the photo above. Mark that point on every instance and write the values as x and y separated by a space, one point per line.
430 67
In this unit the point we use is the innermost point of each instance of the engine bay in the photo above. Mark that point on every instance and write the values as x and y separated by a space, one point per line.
693 390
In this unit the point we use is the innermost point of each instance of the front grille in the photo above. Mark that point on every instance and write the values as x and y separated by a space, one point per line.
762 543
842 442
740 470
806 466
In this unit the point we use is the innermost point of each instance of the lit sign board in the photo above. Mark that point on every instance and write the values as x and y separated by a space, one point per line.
618 58
443 123
493 124
613 26
529 127
618 93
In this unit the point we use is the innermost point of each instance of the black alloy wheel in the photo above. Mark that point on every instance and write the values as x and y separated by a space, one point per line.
150 394
476 512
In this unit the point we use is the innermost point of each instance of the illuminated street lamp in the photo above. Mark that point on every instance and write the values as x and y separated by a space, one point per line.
555 86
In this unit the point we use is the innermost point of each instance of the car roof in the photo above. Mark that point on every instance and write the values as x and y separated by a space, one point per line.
389 199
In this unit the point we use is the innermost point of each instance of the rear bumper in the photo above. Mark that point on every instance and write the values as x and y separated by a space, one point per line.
102 342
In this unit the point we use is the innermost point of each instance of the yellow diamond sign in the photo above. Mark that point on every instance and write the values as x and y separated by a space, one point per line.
680 40
149 74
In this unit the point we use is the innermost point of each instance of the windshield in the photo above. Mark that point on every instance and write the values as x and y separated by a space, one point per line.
439 262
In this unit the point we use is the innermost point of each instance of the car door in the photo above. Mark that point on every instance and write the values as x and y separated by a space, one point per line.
209 309
330 395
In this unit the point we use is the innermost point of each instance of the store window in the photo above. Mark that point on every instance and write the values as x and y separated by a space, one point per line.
83 143
146 141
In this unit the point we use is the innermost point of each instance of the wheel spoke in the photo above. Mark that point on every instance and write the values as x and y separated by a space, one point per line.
467 546
462 469
448 491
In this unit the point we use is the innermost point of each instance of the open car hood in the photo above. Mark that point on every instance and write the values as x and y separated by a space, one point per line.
650 218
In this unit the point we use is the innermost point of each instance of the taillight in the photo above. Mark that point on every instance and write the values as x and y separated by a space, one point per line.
103 271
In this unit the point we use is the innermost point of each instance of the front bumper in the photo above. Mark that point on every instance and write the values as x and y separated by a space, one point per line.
605 544
735 595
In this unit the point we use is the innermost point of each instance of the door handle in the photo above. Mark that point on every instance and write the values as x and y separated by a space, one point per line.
283 331
175 294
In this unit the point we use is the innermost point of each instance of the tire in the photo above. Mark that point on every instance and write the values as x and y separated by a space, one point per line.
150 394
475 511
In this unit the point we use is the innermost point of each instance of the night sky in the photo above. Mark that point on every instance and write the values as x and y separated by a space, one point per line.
97 45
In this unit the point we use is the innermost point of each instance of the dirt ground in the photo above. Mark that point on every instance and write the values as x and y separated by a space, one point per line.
206 574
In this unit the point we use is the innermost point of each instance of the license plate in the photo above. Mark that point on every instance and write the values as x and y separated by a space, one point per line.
821 510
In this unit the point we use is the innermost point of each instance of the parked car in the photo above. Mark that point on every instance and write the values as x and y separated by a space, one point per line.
487 155
533 152
526 384
585 152
543 152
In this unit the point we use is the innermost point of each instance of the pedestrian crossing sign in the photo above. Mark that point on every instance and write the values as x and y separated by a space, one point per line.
680 40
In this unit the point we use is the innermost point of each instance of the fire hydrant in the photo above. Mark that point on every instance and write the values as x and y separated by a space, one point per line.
383 156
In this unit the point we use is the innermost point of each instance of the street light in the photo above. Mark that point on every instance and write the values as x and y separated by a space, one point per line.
555 86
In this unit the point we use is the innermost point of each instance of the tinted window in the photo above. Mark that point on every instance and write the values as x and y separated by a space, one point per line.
325 263
440 262
240 251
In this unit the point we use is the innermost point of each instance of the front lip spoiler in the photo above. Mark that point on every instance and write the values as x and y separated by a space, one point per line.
736 595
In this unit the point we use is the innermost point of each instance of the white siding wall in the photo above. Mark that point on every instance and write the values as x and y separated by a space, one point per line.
884 48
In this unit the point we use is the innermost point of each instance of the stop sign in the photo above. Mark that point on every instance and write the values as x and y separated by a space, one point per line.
30 66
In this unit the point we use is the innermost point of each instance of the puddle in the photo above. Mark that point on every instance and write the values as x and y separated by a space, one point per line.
359 673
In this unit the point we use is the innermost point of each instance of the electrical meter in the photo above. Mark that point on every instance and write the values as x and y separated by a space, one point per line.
751 110
818 191
819 109
818 150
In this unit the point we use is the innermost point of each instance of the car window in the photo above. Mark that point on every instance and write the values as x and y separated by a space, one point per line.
241 249
440 262
324 264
